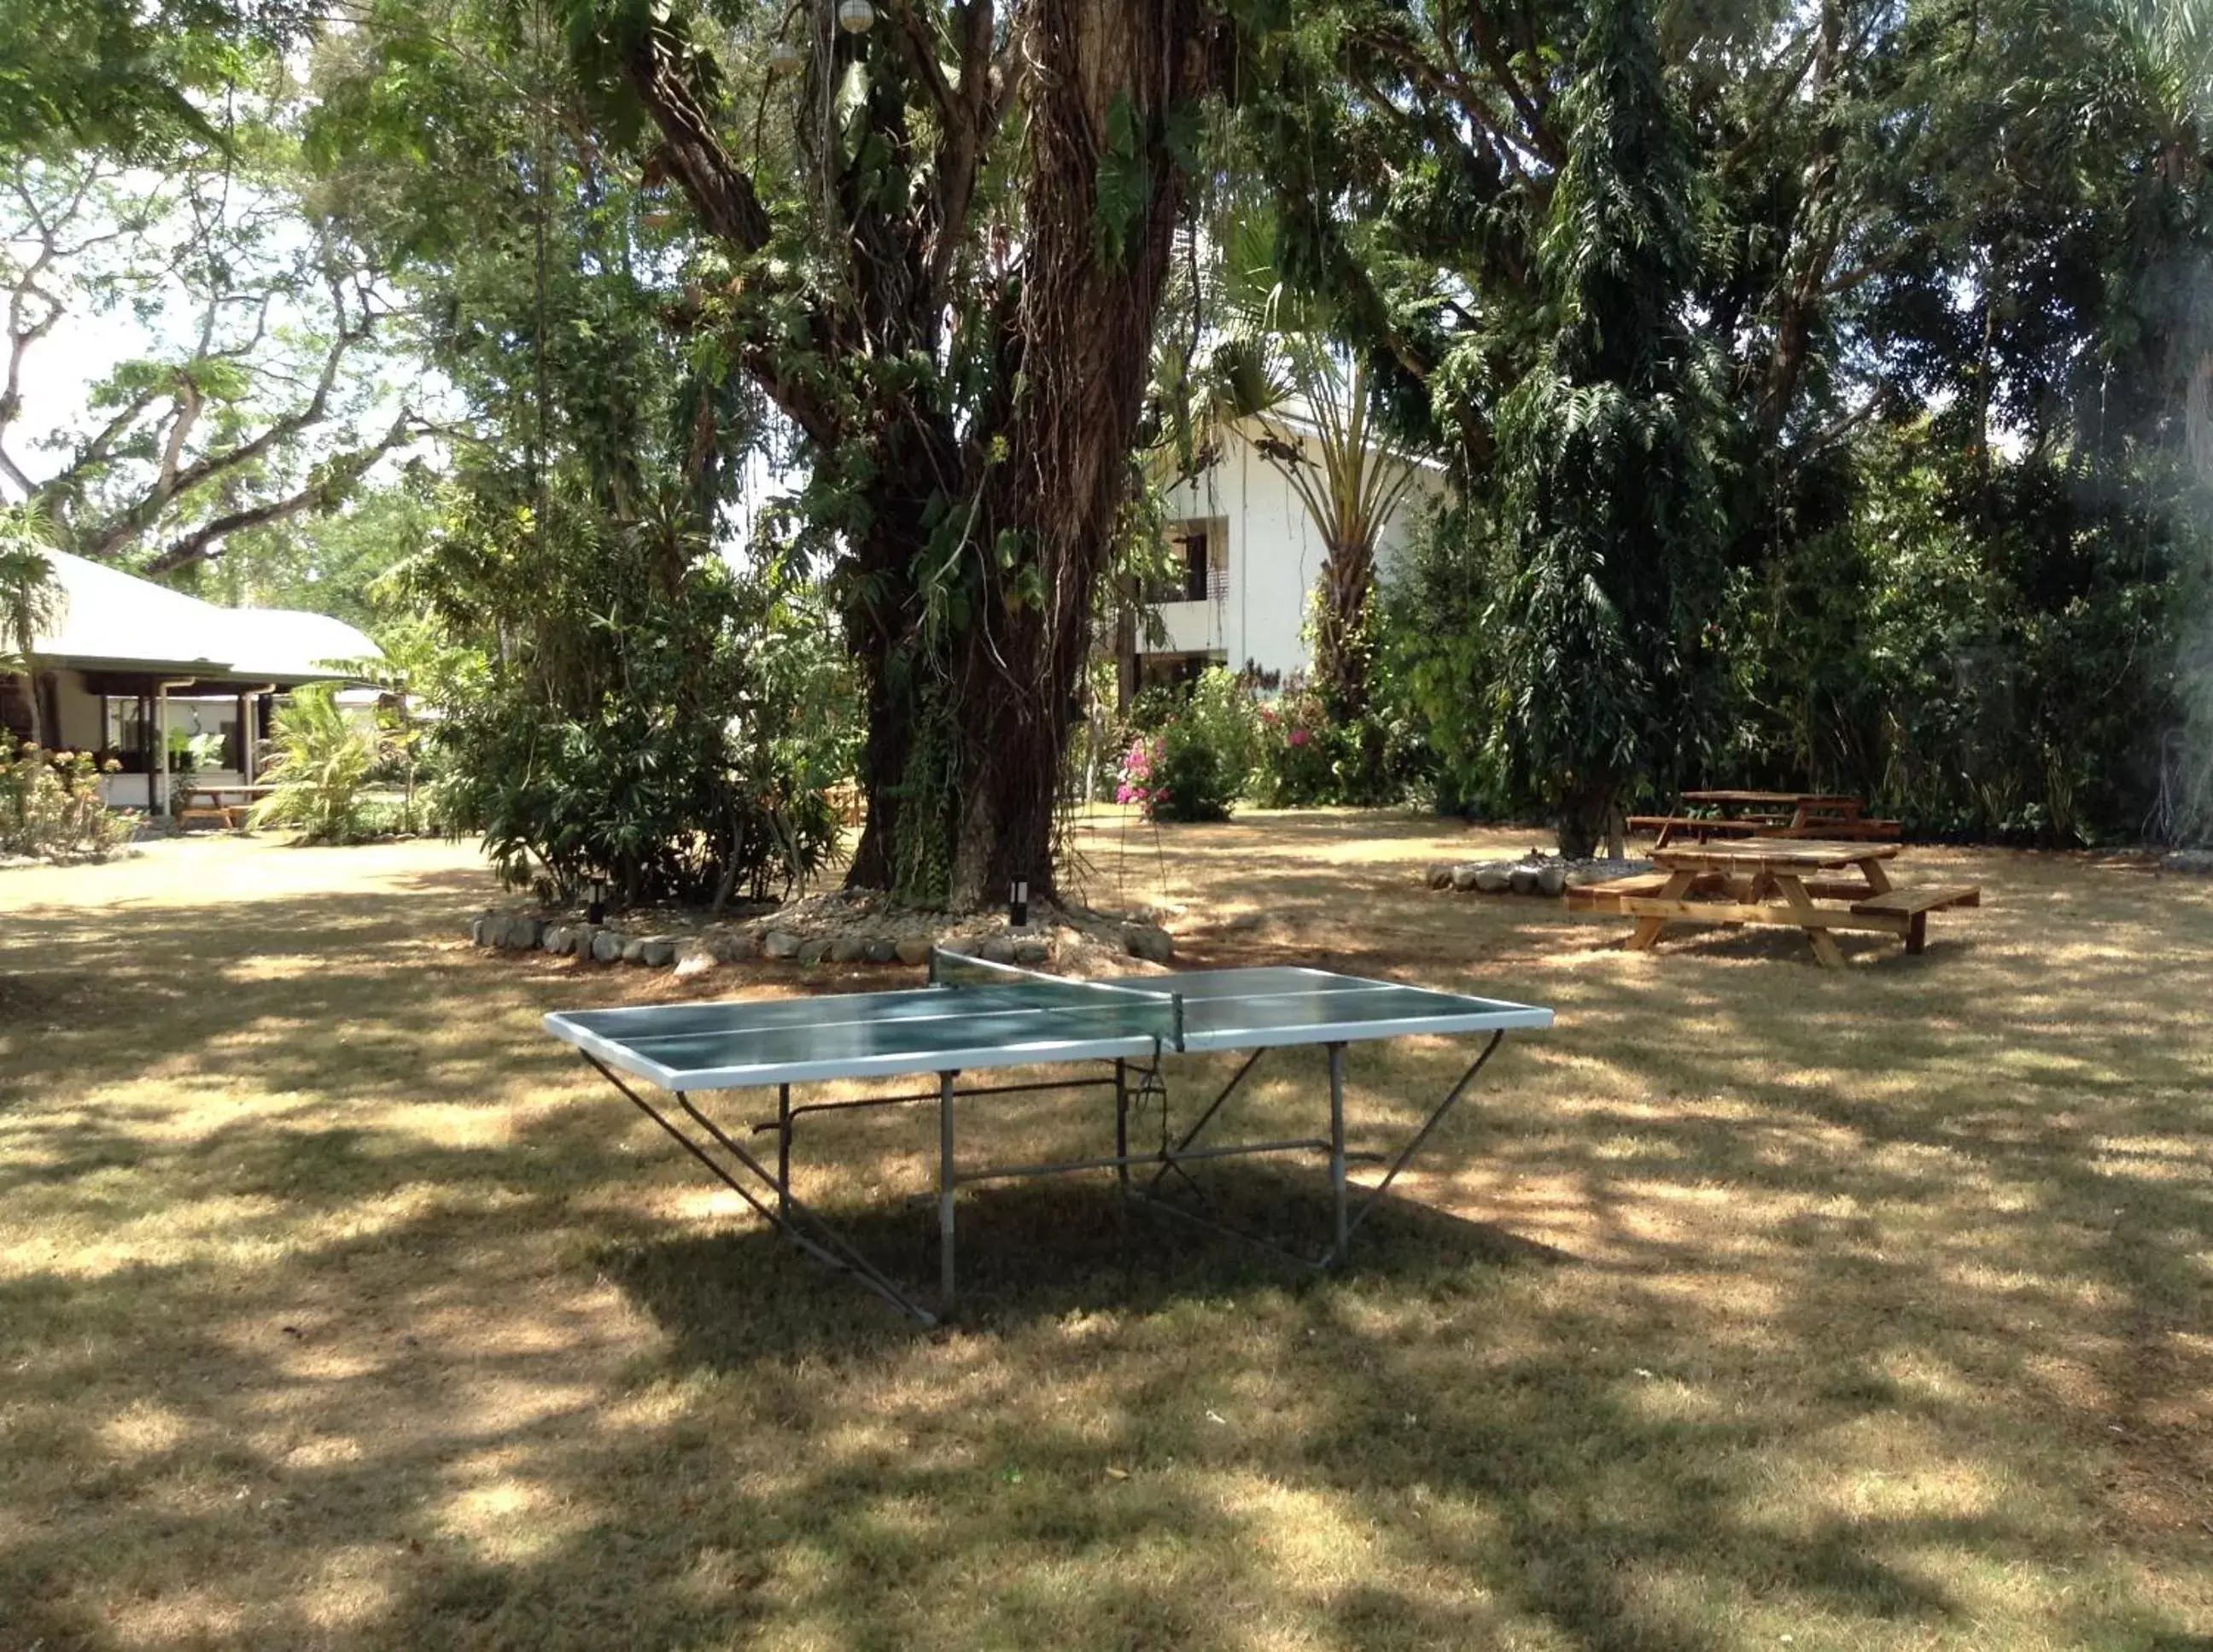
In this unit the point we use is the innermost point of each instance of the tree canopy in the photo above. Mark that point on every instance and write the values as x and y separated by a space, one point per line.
1826 391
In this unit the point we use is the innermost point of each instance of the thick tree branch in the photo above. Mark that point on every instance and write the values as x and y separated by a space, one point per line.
327 491
147 510
719 190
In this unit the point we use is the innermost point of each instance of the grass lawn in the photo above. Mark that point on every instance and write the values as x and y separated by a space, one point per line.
1754 1305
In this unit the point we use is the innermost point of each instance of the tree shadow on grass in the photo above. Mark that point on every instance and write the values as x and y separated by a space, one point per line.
1038 1250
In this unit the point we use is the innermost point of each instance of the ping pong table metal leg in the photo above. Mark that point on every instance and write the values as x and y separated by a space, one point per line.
817 1237
1122 1124
1373 1195
783 1148
945 1188
1337 1177
1199 1124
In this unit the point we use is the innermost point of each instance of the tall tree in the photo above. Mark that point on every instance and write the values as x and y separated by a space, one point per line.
251 399
941 263
1611 538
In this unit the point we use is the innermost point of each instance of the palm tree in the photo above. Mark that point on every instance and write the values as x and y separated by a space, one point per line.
31 599
1278 366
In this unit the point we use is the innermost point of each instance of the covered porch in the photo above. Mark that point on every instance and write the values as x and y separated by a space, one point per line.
178 693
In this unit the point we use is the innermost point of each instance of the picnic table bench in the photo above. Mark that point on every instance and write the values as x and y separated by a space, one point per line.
1775 880
1731 815
198 800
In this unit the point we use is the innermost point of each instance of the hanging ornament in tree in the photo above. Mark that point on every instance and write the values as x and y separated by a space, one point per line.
784 59
855 16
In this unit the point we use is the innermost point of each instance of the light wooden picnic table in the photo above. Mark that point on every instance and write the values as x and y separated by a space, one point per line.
209 800
1777 881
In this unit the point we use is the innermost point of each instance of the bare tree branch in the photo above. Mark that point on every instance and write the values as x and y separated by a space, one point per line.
324 491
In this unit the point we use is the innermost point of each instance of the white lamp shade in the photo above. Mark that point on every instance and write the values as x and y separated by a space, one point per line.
855 16
784 59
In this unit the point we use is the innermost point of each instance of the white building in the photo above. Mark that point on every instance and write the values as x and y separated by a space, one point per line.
133 666
1252 556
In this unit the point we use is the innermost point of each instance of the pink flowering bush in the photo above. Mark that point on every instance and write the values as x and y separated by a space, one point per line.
1138 785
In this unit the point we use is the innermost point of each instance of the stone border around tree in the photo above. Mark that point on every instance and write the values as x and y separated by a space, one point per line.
1547 876
808 941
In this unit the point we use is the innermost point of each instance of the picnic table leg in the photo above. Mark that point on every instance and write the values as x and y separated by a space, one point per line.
1877 878
1917 932
1824 944
1641 939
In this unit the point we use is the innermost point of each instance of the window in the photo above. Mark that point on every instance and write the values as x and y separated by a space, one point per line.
1199 559
15 707
1193 547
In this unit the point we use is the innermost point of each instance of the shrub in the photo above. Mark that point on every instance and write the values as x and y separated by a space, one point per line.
50 804
1199 751
323 761
646 712
1306 758
1141 782
1220 713
1194 779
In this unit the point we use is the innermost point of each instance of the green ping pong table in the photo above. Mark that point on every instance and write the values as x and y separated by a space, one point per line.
976 1016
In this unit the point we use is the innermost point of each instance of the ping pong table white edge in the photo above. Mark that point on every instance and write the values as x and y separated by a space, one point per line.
1496 1015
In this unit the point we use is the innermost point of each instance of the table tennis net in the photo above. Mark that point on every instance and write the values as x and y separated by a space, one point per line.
1140 1010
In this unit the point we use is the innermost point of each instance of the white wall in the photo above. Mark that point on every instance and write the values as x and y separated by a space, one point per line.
1275 555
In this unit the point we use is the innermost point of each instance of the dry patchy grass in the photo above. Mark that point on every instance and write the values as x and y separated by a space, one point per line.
338 1306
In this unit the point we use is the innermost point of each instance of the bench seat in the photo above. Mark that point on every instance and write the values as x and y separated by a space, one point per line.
1914 902
1910 901
1608 897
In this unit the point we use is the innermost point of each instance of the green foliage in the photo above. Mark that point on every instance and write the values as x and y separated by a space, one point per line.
245 394
1610 535
1309 756
322 764
1191 777
649 715
1988 663
50 804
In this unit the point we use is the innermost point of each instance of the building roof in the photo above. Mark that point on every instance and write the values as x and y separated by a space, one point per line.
115 621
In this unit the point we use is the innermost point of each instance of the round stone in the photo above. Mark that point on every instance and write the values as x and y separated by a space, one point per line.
813 950
1493 880
1523 880
883 950
912 949
780 943
1464 877
998 949
1148 942
657 952
1552 880
1440 876
607 947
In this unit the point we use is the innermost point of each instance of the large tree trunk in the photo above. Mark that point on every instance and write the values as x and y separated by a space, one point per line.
970 702
1086 327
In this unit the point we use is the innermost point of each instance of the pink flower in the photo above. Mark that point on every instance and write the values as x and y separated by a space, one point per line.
1300 736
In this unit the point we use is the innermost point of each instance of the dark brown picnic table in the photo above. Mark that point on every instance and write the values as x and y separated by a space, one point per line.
1800 882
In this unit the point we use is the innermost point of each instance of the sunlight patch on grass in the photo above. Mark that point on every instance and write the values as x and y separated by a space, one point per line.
1750 1301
